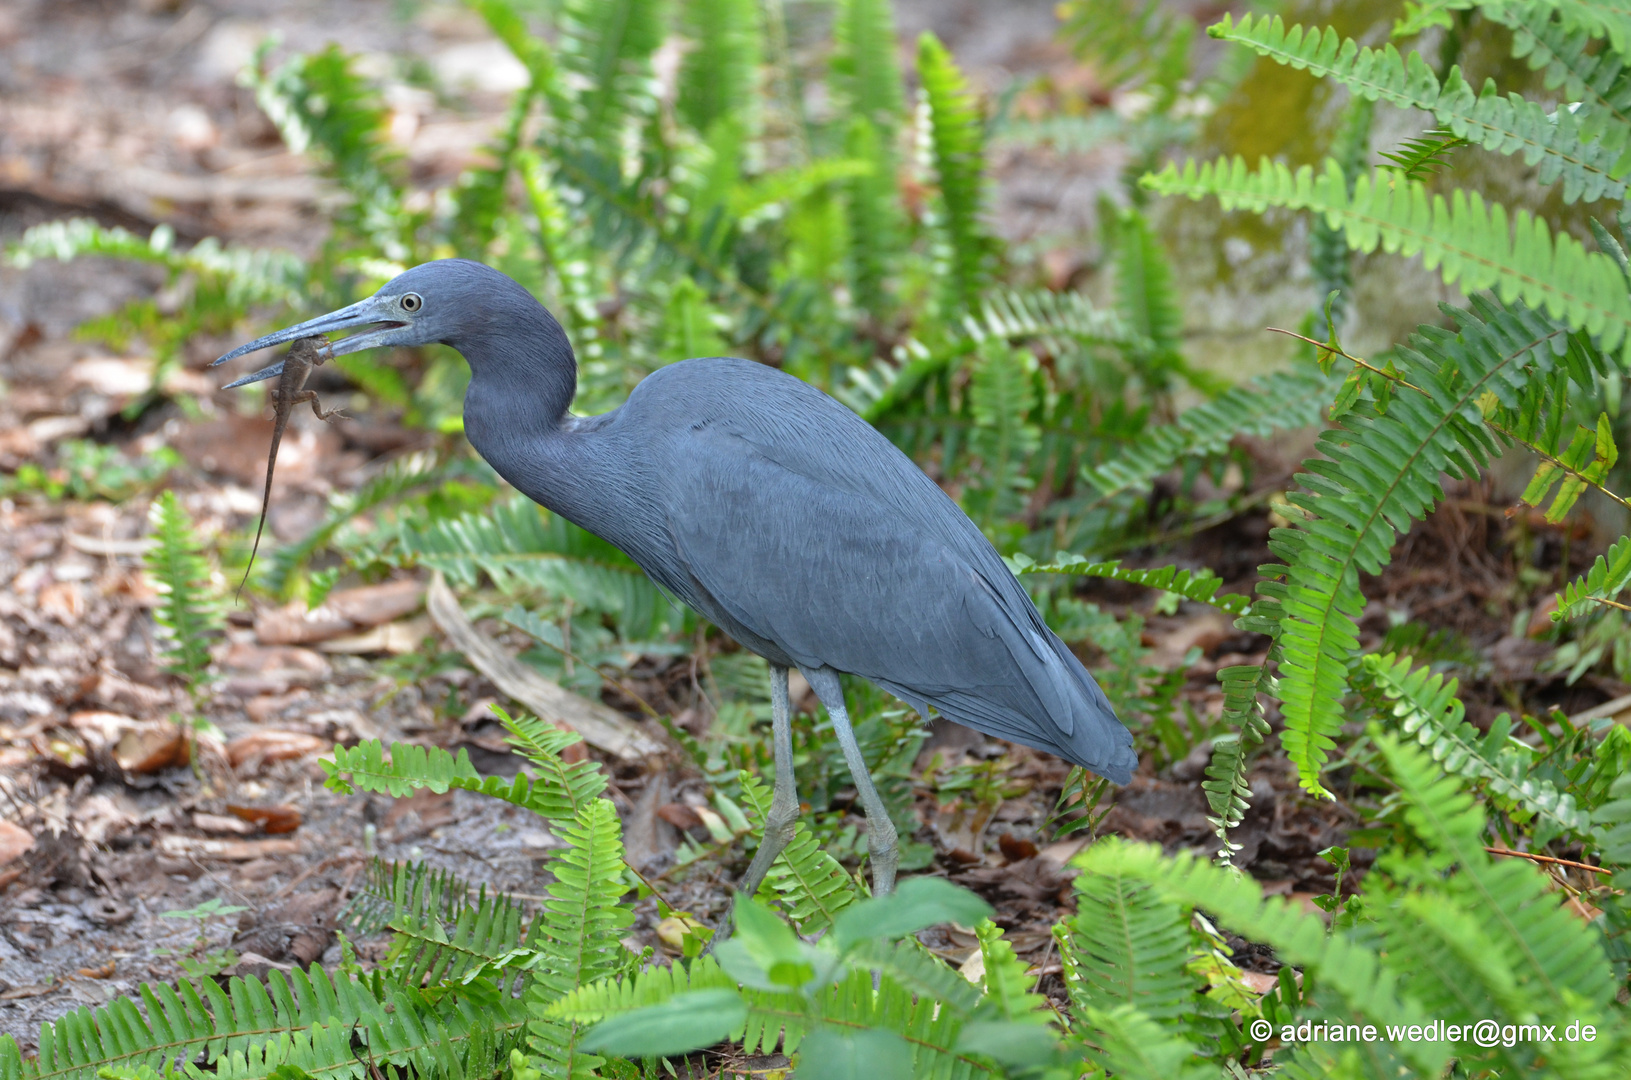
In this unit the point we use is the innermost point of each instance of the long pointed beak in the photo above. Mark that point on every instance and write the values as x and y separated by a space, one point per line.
377 312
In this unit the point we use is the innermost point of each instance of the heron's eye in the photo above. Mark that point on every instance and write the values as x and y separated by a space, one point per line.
412 301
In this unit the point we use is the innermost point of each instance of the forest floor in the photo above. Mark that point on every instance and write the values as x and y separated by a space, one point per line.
130 113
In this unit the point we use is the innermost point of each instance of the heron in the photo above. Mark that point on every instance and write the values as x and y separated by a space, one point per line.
770 508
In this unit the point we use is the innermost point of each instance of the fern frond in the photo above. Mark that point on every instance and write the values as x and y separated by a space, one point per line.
1006 982
1556 957
865 74
1330 263
1348 968
518 543
957 146
1051 318
188 612
250 275
1127 944
248 1029
1133 1045
1002 397
1381 472
1283 401
319 102
1228 789
1427 708
872 205
1504 124
809 882
1585 17
1469 241
1420 156
1146 298
440 935
579 931
718 79
1608 577
411 767
1198 585
607 45
1598 79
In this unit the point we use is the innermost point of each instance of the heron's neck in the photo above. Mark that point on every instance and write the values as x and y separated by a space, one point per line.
523 375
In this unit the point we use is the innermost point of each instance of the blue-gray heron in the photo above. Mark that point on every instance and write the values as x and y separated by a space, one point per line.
770 508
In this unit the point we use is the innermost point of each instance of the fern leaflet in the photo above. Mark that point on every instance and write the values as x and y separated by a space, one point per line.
1608 577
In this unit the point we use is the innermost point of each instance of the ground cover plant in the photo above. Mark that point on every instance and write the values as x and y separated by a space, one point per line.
1482 882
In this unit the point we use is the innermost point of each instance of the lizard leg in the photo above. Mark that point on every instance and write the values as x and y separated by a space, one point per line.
330 415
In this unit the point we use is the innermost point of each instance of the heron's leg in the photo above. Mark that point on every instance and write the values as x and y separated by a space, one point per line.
881 838
784 803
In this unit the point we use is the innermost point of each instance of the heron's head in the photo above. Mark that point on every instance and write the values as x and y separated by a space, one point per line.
455 302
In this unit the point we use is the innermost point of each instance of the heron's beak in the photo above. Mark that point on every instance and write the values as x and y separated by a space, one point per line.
380 313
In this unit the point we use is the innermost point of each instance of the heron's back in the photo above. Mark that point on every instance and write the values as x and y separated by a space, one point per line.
799 529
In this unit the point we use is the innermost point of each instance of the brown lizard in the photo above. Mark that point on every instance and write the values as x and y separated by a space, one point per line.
303 355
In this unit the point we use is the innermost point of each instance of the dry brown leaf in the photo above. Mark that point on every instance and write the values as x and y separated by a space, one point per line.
15 841
274 746
272 819
104 972
152 747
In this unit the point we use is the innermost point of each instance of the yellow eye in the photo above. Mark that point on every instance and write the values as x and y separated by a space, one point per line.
412 301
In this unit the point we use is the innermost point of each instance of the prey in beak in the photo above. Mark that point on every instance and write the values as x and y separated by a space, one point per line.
382 319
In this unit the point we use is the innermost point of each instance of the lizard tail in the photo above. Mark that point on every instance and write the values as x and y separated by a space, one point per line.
237 596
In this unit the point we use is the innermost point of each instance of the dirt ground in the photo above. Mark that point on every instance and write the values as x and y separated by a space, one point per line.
131 113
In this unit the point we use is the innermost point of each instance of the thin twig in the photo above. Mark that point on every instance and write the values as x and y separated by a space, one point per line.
1335 351
1571 470
1548 859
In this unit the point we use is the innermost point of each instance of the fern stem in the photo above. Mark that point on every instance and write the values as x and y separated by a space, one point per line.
1557 464
1550 859
1327 348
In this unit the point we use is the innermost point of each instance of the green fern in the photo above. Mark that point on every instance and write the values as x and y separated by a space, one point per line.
1427 709
1198 585
1468 240
809 883
1002 397
957 151
1421 156
188 611
865 74
320 103
1283 401
1348 968
1597 79
1129 41
1380 472
309 1020
1127 944
1608 577
579 933
608 45
1227 785
1577 16
1146 298
560 795
1330 261
1511 124
516 543
249 276
1492 929
719 78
